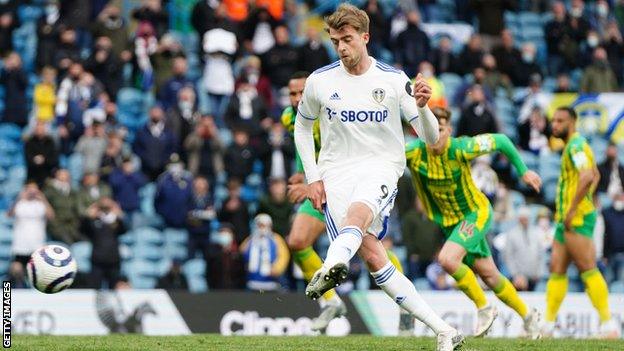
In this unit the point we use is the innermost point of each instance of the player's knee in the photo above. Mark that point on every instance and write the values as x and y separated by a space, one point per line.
449 263
296 243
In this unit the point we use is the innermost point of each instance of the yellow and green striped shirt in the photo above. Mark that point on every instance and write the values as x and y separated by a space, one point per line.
289 116
444 183
577 156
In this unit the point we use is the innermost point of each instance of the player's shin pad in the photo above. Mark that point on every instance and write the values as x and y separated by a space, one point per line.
598 293
556 290
468 284
507 293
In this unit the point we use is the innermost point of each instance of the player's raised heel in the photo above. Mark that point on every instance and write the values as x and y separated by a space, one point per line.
485 320
324 280
450 340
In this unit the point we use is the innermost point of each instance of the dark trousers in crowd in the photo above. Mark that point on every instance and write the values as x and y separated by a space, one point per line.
100 273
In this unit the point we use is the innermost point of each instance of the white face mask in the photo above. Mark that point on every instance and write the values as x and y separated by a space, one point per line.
528 57
576 12
593 41
223 238
108 218
618 205
602 10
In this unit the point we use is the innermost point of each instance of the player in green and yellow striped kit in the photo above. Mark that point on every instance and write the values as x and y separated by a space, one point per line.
441 175
310 223
576 217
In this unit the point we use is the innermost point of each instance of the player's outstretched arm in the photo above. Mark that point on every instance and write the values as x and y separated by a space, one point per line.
488 143
426 125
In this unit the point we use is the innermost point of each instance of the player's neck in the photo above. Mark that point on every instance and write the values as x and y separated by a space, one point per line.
571 133
362 66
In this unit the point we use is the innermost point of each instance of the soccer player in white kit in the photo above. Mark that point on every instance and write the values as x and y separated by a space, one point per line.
360 102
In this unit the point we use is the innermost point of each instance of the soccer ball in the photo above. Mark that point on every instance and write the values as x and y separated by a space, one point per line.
51 269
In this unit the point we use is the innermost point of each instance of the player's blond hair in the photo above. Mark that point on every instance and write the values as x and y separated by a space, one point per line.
442 113
348 15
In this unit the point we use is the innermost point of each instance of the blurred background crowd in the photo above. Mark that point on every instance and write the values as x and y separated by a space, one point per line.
146 135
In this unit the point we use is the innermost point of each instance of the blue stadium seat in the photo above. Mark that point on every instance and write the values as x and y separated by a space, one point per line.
142 267
147 252
148 235
175 251
141 282
176 236
75 167
617 287
451 82
197 284
29 13
9 130
529 19
5 251
194 267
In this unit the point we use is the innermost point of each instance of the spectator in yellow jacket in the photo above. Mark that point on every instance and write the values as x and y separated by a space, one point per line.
45 95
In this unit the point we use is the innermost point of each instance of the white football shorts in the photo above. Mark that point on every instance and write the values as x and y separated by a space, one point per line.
376 188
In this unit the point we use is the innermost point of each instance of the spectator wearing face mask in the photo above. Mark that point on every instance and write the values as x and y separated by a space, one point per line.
477 117
13 79
204 150
183 116
600 18
252 73
524 252
266 255
235 211
220 46
112 25
92 146
412 45
527 67
168 92
31 210
91 191
126 181
534 134
443 58
103 224
598 77
614 45
614 235
224 263
40 153
44 96
246 110
611 173
106 66
438 98
65 224
173 194
201 214
154 144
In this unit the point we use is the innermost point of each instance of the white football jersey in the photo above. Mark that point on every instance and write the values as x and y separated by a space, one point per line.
360 115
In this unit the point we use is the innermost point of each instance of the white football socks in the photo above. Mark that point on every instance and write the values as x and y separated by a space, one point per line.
344 247
402 291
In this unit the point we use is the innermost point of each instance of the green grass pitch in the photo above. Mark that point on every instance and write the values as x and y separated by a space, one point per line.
210 342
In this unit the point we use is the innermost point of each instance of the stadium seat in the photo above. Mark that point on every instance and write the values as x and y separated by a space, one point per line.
144 251
176 236
528 19
175 252
148 235
6 234
197 284
5 251
617 287
194 267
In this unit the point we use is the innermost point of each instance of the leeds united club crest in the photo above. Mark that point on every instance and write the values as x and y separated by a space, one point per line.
379 94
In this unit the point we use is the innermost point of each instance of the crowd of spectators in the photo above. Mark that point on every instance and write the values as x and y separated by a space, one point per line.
208 131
